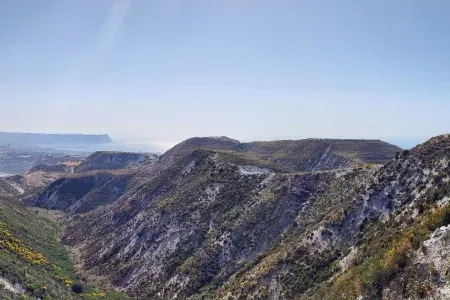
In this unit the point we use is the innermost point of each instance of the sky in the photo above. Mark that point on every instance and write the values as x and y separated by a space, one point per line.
160 71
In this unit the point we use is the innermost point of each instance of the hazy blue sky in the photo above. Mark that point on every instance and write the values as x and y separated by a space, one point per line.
165 70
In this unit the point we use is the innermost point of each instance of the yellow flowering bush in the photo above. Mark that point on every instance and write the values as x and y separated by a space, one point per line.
11 243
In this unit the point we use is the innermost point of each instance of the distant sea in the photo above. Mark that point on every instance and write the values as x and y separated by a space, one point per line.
406 143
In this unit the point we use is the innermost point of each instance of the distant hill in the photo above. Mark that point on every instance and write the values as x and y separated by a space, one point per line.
100 179
112 160
33 139
16 161
295 155
82 192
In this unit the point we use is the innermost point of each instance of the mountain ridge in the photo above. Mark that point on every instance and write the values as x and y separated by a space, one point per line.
143 167
233 223
211 175
296 155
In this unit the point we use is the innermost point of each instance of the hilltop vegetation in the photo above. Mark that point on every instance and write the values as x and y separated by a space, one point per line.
296 155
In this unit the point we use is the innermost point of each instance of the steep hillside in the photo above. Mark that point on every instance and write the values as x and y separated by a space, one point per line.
203 217
107 160
227 225
375 234
80 193
7 188
100 179
41 176
33 263
35 179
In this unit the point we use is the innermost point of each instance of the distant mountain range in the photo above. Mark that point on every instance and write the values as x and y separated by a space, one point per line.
37 139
